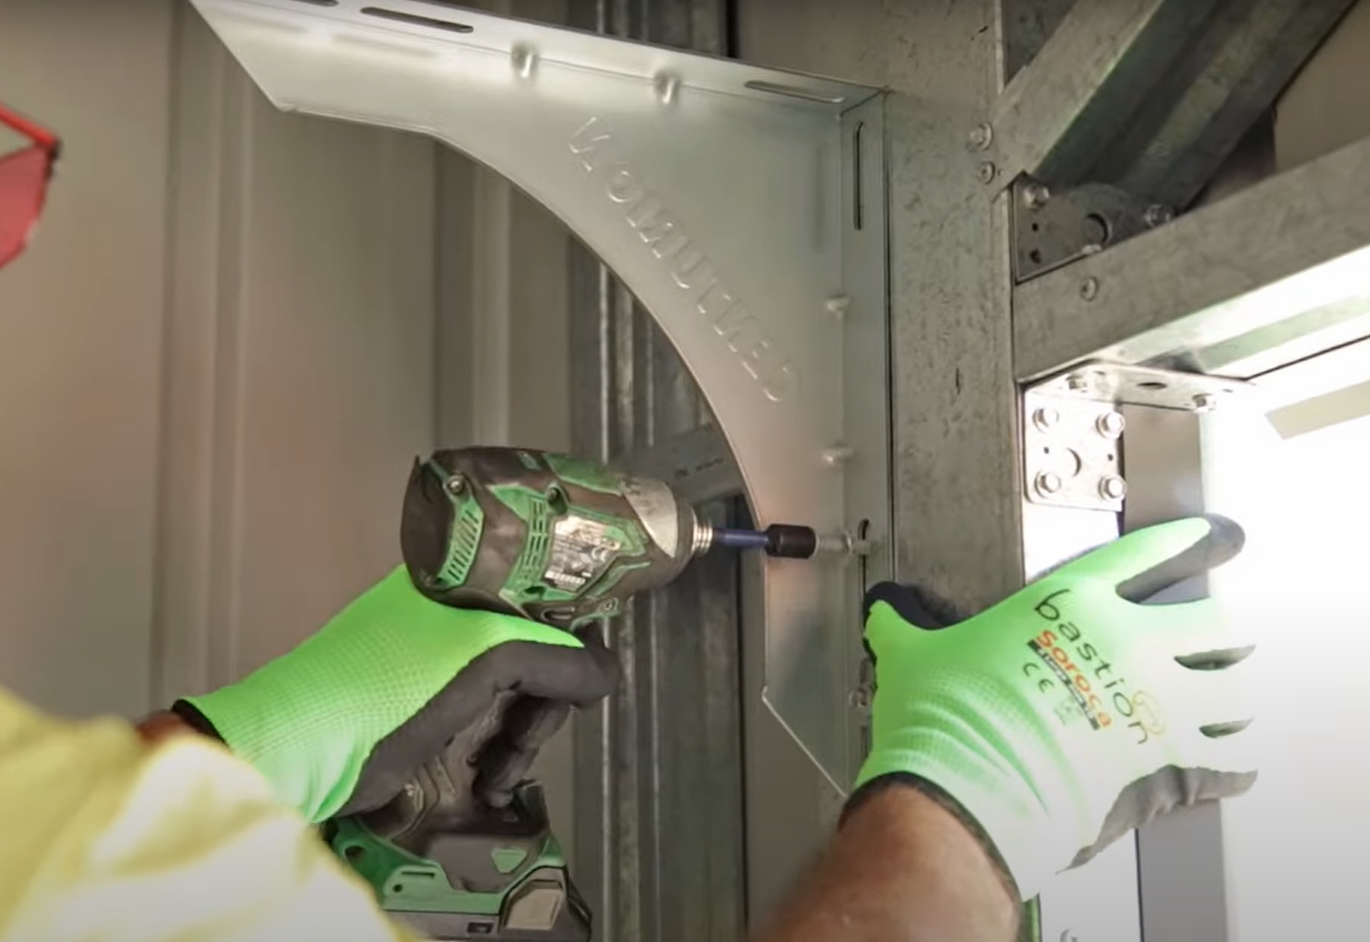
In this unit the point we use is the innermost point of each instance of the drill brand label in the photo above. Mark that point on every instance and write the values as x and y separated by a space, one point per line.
581 550
1067 661
689 269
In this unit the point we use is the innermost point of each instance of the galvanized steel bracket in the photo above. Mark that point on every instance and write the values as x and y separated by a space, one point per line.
1073 449
1053 227
745 208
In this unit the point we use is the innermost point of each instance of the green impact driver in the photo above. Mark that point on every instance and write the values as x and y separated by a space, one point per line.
557 540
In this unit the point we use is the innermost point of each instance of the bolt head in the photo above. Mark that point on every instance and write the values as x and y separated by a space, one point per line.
1205 402
838 305
1089 288
1046 418
988 172
1048 483
1036 195
1111 424
981 136
1112 487
456 484
1076 382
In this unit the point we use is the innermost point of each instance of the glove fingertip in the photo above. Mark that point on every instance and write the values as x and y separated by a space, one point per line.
1152 559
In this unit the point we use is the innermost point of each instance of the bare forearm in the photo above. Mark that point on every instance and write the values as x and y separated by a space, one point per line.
901 867
162 725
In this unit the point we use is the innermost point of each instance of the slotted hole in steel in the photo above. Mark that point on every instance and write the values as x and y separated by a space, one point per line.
857 196
415 20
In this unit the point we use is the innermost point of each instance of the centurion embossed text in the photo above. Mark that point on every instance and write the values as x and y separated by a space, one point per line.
667 240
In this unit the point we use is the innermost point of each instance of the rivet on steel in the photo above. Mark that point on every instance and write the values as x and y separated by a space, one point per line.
837 455
666 87
525 60
1112 487
1111 424
838 305
988 172
1205 402
1036 195
1045 418
1047 483
981 137
1089 288
1157 215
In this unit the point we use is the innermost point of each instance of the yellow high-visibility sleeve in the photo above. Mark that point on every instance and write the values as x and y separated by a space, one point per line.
104 839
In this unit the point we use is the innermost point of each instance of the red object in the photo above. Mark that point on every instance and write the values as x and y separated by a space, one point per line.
24 176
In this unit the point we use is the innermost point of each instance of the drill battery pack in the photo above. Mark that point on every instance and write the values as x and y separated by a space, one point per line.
501 878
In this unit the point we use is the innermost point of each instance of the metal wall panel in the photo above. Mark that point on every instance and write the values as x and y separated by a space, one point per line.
300 365
80 357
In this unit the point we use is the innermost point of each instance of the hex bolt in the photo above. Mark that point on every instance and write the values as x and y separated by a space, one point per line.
988 172
1045 418
1112 487
1205 402
1076 382
1036 195
1111 424
837 455
1089 288
1157 215
838 305
981 136
1047 483
456 484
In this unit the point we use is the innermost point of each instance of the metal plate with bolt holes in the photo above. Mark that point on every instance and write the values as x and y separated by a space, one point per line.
744 208
1072 452
1121 384
1052 227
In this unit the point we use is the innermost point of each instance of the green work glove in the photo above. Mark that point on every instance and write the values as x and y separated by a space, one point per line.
1068 714
342 722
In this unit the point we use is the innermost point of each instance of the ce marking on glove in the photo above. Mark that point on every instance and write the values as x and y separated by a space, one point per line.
1065 659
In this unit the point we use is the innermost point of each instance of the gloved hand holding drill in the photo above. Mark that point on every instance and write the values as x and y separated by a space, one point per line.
1054 722
339 724
1049 725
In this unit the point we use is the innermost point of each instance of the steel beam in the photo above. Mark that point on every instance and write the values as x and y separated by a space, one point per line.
1233 69
1152 95
1257 281
1056 116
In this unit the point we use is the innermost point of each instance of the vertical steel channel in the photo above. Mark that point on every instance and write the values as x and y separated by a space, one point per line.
658 768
